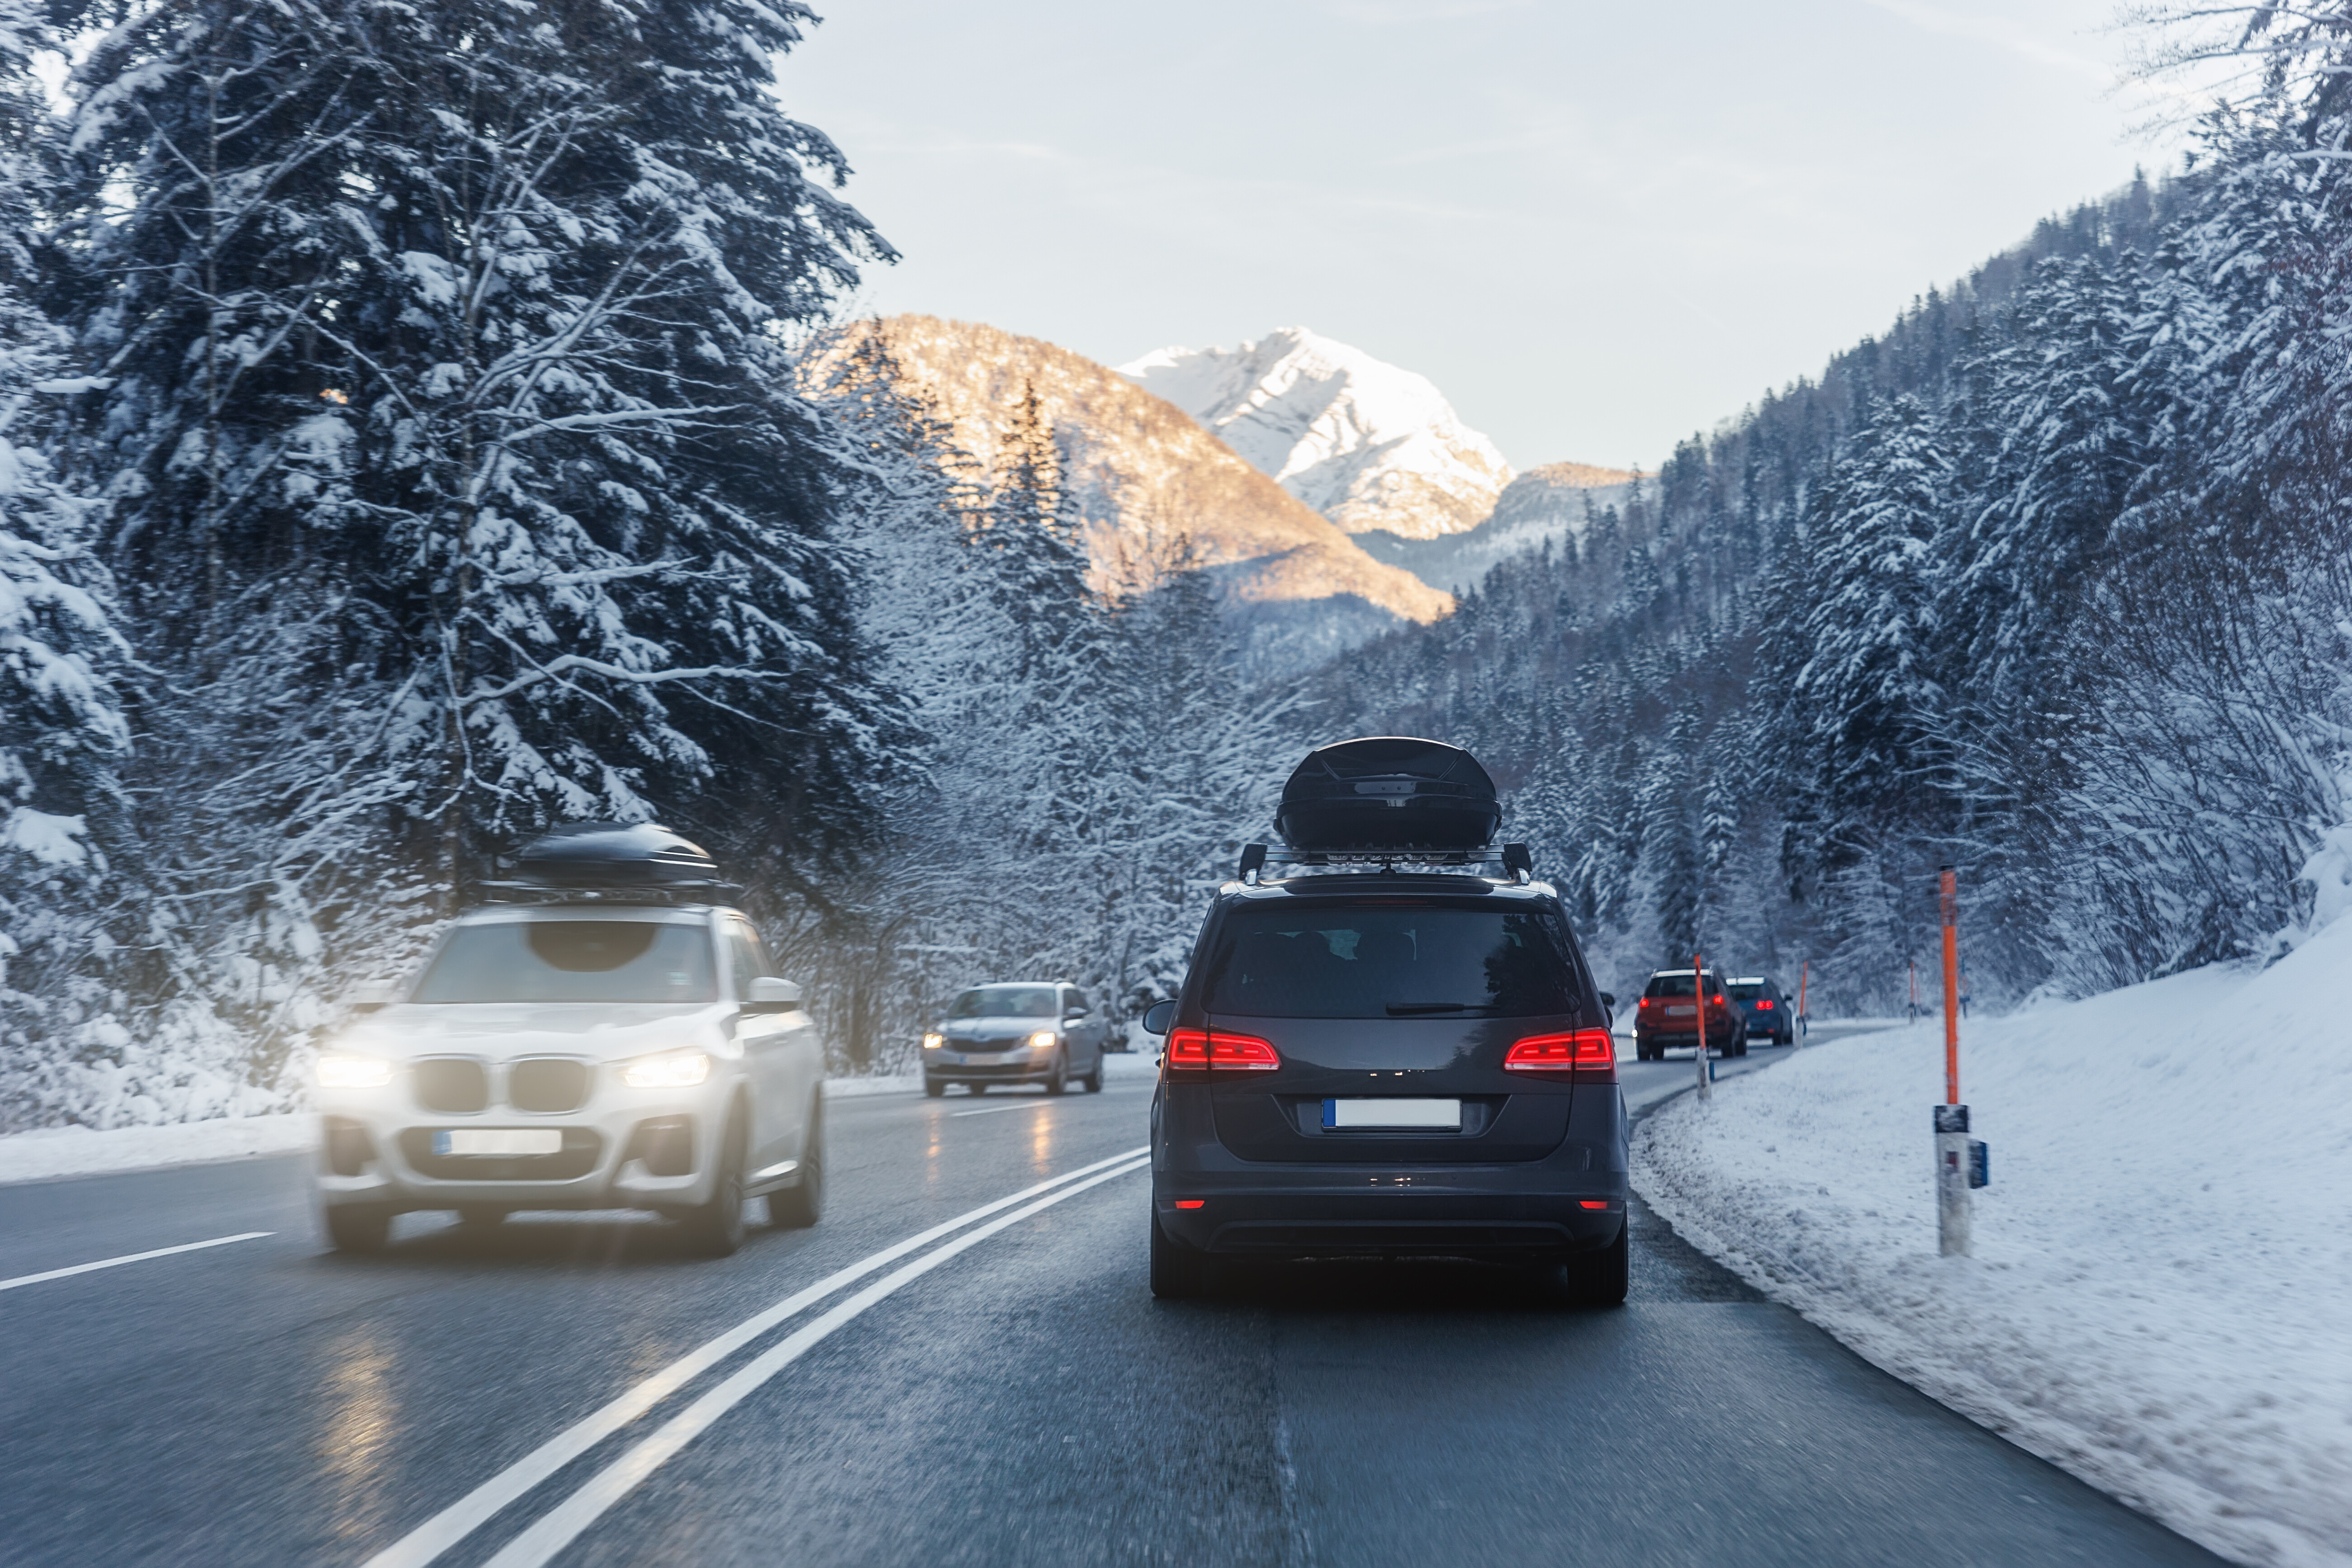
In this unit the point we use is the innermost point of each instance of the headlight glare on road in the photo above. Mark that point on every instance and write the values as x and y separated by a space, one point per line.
1042 1040
933 1042
341 1069
669 1069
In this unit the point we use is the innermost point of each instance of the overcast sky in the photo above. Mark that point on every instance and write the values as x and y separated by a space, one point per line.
1598 226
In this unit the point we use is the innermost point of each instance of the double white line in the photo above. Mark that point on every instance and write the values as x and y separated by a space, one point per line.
556 1528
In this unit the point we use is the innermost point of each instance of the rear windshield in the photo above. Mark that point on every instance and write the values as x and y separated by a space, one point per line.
1390 961
1674 984
573 961
1004 1002
1744 993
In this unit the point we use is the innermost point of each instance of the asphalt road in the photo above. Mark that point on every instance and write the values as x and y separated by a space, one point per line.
1020 1399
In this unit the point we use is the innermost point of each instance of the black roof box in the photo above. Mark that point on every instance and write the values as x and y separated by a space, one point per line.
1389 792
615 857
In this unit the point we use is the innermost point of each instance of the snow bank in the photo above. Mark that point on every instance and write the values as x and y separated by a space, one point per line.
2157 1299
58 1151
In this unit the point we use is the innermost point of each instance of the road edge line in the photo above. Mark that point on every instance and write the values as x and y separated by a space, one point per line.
131 1258
560 1526
446 1528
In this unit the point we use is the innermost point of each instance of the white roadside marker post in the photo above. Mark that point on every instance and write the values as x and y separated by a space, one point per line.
1698 1002
1952 1153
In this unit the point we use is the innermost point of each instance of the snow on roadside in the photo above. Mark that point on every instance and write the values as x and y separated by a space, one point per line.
53 1153
2157 1299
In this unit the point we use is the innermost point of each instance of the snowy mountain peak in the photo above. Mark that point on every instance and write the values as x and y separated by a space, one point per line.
1365 443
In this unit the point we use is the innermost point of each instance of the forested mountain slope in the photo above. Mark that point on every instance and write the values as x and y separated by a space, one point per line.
1149 483
2050 581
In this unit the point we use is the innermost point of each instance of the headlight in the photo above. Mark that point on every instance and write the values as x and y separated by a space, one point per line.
340 1070
933 1042
1042 1040
670 1070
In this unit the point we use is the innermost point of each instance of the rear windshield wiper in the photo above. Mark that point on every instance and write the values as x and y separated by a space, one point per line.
1400 1009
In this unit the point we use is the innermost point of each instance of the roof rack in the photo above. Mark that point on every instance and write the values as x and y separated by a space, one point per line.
1516 861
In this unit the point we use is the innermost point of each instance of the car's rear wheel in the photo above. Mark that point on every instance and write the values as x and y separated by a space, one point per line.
356 1228
936 1088
797 1208
1601 1279
716 1228
1178 1271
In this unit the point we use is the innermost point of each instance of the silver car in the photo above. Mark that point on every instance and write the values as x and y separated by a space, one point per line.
1035 1031
578 1055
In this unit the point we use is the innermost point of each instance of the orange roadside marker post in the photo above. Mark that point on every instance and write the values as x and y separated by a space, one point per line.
1804 1019
1959 1164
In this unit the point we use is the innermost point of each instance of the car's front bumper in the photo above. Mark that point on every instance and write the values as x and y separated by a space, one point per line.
652 1149
1026 1065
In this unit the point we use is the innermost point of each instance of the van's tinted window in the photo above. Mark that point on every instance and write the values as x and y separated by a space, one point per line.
573 961
1390 961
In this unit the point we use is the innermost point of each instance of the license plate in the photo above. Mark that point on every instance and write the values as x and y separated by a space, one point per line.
495 1140
1393 1112
1681 1011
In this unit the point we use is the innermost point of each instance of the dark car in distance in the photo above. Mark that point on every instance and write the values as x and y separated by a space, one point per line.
1667 1017
1764 1008
1389 1063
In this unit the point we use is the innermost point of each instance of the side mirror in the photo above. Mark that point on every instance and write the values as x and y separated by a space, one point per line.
1609 1001
1158 1016
371 996
1075 1013
769 994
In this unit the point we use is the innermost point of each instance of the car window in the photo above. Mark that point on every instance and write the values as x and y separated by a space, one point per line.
1004 1002
573 961
1674 984
1744 993
749 961
1073 999
1394 960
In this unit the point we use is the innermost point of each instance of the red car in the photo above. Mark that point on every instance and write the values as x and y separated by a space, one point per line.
1668 1016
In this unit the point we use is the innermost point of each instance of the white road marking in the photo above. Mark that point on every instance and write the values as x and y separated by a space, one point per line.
462 1518
557 1528
132 1257
1015 1105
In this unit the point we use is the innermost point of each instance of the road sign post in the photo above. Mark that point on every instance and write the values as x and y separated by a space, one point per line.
1955 1160
1804 1019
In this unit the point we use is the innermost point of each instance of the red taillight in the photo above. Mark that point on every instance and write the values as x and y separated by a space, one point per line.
1718 999
1764 1004
1584 1049
1644 1002
1191 1203
1580 1202
1193 1050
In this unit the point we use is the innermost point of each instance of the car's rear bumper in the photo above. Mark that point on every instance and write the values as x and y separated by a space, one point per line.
1342 1221
1519 1207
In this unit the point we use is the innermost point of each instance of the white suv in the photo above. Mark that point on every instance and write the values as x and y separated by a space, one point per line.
578 1054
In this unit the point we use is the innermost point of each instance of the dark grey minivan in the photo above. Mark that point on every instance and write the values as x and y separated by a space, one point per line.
1389 1063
